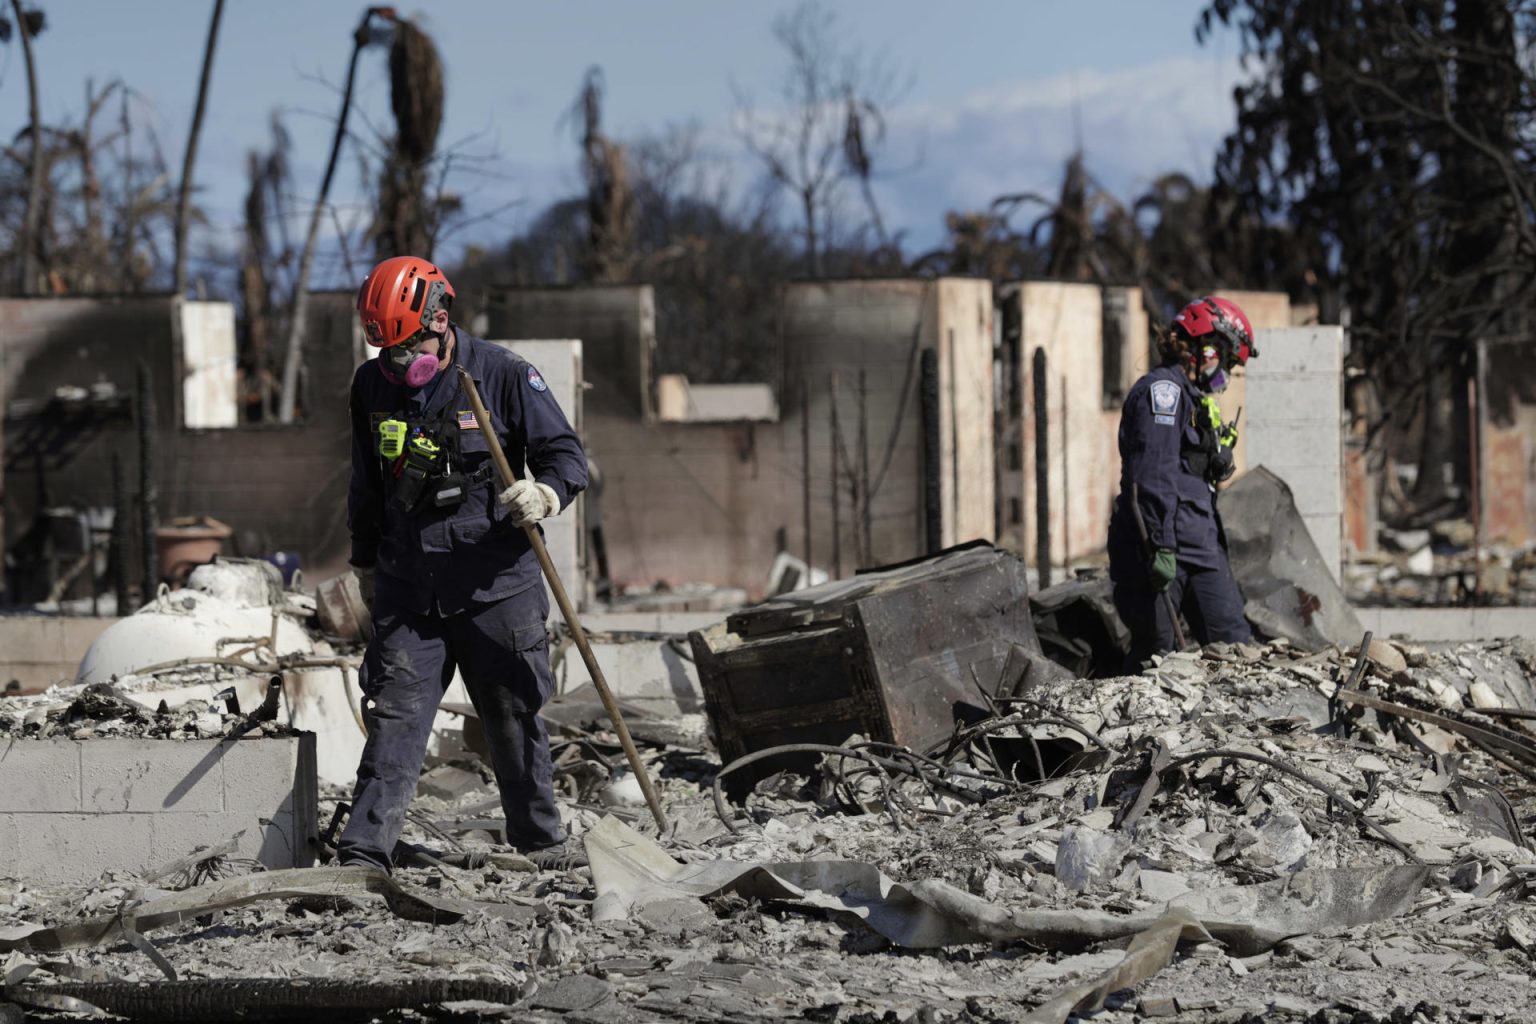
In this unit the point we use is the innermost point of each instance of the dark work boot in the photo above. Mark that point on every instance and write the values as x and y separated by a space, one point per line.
562 856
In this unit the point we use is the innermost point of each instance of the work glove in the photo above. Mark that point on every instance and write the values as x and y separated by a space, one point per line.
364 576
528 501
1163 568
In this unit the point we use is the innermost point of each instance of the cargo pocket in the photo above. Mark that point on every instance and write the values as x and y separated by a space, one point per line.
536 680
1192 526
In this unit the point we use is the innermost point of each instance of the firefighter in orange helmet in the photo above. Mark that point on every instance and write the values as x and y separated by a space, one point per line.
442 557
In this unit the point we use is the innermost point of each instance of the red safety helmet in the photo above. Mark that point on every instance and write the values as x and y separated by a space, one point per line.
399 298
1213 315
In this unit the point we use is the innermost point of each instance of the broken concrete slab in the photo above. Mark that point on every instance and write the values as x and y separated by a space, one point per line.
1287 588
448 782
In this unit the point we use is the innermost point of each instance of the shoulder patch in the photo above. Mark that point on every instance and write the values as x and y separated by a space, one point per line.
535 381
1165 400
467 420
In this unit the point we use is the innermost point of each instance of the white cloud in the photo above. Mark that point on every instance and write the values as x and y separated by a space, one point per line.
1015 136
1137 123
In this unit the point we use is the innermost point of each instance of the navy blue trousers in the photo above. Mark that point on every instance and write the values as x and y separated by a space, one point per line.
501 650
1208 598
1203 590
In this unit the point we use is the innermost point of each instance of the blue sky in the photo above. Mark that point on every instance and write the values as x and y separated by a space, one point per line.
990 106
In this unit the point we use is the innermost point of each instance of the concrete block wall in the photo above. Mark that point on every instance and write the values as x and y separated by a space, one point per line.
71 809
1508 471
1293 422
38 651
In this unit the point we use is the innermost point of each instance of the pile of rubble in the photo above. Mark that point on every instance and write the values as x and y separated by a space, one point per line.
95 710
1242 834
1441 567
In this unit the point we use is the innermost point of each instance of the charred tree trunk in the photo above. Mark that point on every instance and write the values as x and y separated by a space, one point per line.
812 242
35 159
184 200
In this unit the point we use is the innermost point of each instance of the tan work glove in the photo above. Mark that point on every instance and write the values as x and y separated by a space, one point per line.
528 501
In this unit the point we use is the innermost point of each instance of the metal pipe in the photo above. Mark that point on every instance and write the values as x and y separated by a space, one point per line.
805 468
867 546
536 540
1042 473
1066 478
149 489
117 550
933 507
1477 399
837 526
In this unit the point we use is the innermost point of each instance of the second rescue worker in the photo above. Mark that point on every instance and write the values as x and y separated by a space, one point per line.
1174 451
443 560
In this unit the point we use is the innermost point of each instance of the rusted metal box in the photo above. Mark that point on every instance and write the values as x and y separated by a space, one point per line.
887 654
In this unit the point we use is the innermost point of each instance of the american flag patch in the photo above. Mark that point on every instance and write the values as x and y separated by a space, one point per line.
467 420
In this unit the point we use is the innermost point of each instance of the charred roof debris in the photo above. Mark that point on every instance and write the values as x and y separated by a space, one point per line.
959 821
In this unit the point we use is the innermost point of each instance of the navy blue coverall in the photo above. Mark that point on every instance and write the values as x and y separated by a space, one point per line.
1164 446
457 586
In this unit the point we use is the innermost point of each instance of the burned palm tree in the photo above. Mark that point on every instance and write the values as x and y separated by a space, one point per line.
863 131
406 216
268 182
610 199
28 23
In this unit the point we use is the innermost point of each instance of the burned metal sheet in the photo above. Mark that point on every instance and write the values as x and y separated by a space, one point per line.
1079 628
290 883
1287 588
891 654
630 871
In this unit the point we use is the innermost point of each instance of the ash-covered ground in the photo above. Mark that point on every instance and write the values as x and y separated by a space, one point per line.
1243 834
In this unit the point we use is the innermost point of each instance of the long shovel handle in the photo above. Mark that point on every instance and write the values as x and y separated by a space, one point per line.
536 540
1146 547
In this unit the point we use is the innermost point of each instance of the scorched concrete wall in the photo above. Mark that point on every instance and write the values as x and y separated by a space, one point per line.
71 809
1294 425
712 502
1066 321
280 487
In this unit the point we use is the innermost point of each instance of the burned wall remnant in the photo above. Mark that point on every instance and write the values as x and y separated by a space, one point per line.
714 501
616 325
70 366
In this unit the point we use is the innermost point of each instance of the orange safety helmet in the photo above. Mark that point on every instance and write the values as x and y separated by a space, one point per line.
399 298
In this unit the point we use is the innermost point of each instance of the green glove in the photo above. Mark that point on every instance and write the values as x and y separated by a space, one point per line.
1163 568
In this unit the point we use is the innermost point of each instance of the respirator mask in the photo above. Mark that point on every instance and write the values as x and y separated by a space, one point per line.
1213 379
406 364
